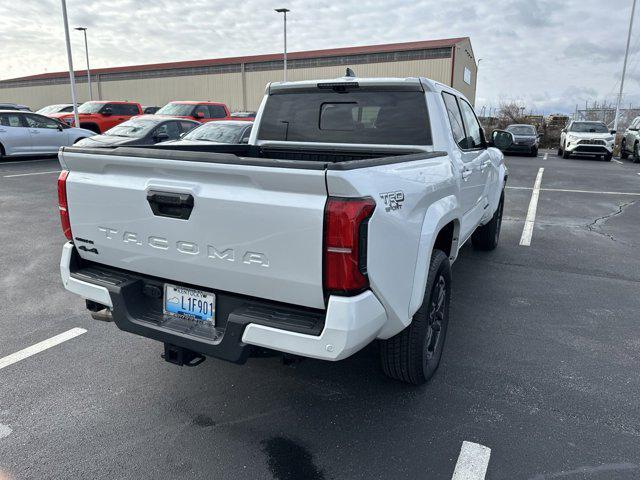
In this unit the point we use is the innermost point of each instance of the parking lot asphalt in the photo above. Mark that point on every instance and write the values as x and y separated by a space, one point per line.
540 365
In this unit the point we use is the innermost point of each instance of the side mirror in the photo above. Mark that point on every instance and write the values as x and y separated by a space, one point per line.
161 137
613 132
198 115
564 130
183 134
502 139
107 112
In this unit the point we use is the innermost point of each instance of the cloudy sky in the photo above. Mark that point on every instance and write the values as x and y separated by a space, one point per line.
547 54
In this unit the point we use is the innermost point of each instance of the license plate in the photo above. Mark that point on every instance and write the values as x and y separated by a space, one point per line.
189 303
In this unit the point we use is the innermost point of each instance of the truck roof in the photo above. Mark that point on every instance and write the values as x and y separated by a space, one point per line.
378 81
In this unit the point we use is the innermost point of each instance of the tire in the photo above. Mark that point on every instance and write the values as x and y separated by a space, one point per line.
565 154
413 355
636 153
534 152
1 152
486 237
623 150
560 152
607 157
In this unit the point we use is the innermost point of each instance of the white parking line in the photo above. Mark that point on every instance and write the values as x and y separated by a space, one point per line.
472 462
576 191
527 231
27 174
7 163
5 431
546 155
39 347
617 161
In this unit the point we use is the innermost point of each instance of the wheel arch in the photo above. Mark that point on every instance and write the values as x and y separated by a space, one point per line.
441 230
94 127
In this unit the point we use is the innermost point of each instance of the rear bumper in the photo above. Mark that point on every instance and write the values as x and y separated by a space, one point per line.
348 325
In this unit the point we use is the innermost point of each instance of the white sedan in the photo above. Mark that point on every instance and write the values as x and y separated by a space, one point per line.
26 133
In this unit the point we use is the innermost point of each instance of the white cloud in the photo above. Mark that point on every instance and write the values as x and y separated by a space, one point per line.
551 54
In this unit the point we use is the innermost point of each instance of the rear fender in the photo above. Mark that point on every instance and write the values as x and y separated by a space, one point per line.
437 216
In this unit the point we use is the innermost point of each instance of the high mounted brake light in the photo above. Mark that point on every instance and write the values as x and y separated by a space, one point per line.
338 86
63 206
345 244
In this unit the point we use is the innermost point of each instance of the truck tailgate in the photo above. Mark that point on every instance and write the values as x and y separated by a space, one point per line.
252 230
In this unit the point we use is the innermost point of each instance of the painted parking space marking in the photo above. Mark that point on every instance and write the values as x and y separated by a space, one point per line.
472 462
546 155
569 190
9 163
40 347
5 431
527 231
617 161
32 173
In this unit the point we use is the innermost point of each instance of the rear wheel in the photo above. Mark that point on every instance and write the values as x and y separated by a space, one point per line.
413 355
486 237
636 153
1 152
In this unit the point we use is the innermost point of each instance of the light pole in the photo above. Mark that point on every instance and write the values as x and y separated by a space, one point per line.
86 49
72 78
624 67
284 10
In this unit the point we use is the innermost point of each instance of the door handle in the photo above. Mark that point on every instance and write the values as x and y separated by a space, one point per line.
34 131
172 205
466 173
485 164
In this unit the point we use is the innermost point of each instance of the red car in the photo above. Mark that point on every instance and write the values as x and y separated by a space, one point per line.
103 115
201 111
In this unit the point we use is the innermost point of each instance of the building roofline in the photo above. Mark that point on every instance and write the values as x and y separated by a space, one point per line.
332 52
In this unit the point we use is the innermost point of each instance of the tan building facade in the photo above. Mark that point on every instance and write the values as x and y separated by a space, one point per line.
240 81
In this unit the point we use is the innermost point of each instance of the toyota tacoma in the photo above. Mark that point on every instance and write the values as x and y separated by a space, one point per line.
336 226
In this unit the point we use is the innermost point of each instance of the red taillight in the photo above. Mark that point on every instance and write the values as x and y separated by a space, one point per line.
63 206
345 244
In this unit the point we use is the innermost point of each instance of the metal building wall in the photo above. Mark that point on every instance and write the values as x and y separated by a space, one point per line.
464 58
223 87
436 69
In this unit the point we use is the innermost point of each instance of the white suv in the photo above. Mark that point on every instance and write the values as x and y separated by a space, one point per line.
587 138
630 143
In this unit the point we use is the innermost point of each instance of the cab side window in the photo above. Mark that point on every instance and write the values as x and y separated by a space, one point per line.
36 121
455 118
170 128
217 111
201 109
473 138
10 120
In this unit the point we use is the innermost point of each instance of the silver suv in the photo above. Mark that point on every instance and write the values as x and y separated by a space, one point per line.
630 143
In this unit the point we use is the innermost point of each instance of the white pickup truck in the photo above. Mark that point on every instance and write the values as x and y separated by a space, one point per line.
334 227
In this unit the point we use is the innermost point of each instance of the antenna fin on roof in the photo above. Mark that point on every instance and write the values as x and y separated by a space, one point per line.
350 73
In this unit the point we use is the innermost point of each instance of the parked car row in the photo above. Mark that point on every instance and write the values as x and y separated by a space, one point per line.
589 138
27 133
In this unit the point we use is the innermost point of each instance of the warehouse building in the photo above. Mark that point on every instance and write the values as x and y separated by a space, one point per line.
240 81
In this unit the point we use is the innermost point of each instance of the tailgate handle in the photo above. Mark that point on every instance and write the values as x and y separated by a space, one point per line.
172 205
